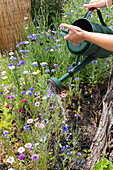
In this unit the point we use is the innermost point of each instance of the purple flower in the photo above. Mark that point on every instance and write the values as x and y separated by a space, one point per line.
56 23
47 48
53 70
47 71
48 35
45 121
13 59
56 65
52 37
33 38
52 107
6 133
26 127
11 64
64 148
20 157
1 92
29 36
21 129
34 20
24 51
31 89
41 43
35 157
64 128
69 84
60 34
56 47
22 92
70 67
94 62
30 93
77 115
69 14
76 78
35 65
41 16
31 149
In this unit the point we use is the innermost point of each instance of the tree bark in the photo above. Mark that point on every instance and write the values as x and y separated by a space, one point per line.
103 139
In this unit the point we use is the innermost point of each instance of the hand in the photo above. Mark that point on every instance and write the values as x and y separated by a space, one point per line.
97 4
75 35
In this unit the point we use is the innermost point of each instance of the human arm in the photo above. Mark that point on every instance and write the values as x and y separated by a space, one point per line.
98 4
77 35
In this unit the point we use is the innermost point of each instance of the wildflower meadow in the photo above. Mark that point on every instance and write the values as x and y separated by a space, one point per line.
34 126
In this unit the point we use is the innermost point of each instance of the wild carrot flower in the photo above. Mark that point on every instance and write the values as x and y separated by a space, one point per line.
20 157
35 157
21 149
11 53
10 159
25 72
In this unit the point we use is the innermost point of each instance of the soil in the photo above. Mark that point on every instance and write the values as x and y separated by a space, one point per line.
89 106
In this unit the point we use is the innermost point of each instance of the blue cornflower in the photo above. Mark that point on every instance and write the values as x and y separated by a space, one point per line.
94 62
70 67
23 92
34 20
26 127
22 62
35 65
56 23
64 148
48 35
69 84
47 71
13 59
30 93
31 89
29 36
61 34
41 16
47 48
53 70
79 8
11 64
69 14
1 92
24 51
56 65
77 115
76 78
33 38
6 133
56 47
64 128
52 37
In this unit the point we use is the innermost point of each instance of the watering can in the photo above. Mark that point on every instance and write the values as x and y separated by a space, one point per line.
85 48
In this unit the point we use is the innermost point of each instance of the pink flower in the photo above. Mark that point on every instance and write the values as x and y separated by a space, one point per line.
21 149
36 124
10 159
36 119
7 106
25 100
28 145
37 104
41 126
63 95
30 121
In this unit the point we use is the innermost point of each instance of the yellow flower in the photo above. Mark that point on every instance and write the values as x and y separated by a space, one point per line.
38 71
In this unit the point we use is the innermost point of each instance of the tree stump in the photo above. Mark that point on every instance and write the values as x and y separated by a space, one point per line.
103 139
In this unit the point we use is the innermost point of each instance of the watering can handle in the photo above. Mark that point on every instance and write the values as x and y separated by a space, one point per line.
99 15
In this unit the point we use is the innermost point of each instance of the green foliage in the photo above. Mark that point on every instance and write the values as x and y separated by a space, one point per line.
104 164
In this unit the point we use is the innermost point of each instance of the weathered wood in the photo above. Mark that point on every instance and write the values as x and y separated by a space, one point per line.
103 138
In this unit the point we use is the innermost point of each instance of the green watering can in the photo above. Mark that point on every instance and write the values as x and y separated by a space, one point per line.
84 48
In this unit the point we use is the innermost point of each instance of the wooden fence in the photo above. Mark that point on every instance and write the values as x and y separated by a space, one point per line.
13 15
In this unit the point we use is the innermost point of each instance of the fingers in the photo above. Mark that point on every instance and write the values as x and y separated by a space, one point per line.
66 26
